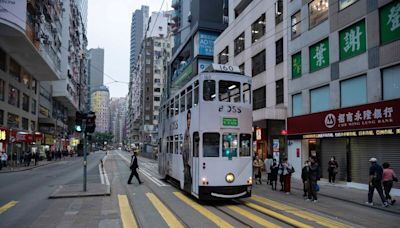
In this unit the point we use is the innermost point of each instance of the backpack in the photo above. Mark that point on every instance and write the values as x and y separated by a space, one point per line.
378 173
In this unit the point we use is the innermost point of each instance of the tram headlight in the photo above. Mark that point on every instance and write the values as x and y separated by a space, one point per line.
230 177
250 180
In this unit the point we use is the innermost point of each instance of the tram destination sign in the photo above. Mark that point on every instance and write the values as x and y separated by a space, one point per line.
230 122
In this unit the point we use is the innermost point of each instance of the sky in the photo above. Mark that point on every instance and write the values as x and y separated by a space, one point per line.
109 23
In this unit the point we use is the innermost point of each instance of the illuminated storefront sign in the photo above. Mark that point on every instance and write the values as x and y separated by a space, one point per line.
258 134
390 131
3 134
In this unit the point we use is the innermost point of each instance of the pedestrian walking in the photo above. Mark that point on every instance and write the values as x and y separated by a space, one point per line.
389 176
287 175
313 178
267 165
257 164
305 176
4 158
332 169
14 159
36 157
134 166
375 182
281 169
274 174
22 158
29 159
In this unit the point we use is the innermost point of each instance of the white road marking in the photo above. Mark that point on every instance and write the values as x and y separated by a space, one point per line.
101 174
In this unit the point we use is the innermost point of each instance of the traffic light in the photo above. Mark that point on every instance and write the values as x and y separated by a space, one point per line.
90 122
78 121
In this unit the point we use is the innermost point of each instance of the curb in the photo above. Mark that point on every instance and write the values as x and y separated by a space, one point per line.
107 193
33 167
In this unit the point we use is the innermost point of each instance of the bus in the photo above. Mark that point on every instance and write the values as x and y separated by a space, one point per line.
205 135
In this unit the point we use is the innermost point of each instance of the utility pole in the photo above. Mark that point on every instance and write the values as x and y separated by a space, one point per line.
84 156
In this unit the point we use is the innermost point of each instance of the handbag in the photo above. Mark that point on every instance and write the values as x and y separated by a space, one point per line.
395 179
316 187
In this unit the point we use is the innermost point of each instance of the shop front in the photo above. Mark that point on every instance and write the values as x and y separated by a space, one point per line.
352 135
3 139
269 138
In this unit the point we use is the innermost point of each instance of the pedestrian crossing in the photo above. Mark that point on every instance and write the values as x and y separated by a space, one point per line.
7 206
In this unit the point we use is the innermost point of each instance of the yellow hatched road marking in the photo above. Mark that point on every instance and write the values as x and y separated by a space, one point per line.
252 217
7 206
277 215
169 218
127 218
213 217
302 214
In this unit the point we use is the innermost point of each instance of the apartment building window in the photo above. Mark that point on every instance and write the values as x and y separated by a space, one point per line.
258 29
318 12
13 96
157 80
241 68
148 70
157 90
12 120
296 65
34 85
25 102
33 125
2 89
279 91
3 60
15 70
297 105
156 98
1 117
259 98
278 11
241 7
391 83
345 3
25 124
296 24
33 107
147 117
26 79
223 56
148 61
279 51
353 91
239 44
319 99
258 63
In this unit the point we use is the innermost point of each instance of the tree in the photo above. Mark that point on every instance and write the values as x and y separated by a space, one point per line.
101 137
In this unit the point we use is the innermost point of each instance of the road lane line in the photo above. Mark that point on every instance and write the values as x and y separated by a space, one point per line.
101 174
167 215
302 214
128 221
252 217
277 215
204 211
7 206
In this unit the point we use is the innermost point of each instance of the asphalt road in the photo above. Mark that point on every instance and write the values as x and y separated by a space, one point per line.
31 188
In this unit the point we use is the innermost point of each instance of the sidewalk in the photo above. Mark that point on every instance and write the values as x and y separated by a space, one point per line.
10 169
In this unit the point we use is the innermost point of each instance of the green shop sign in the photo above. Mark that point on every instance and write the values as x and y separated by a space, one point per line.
389 20
231 122
352 40
319 55
296 65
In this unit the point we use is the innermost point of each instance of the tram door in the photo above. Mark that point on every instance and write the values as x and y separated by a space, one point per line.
195 163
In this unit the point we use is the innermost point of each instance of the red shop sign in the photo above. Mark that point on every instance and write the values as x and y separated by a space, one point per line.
38 136
24 137
383 114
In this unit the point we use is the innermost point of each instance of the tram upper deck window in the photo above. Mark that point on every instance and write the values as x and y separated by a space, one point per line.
230 145
209 90
196 93
246 93
189 98
176 143
245 142
171 108
229 91
183 101
171 144
176 105
211 145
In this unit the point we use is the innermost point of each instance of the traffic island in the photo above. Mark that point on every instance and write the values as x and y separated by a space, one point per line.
75 191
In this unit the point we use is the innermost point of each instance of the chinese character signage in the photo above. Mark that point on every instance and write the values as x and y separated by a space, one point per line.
206 43
296 65
385 114
389 18
319 55
352 40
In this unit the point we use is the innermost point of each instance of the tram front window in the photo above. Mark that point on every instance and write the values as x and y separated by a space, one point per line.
211 145
230 145
245 142
229 91
209 90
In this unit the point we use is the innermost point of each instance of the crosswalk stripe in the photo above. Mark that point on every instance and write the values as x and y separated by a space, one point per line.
252 217
7 206
127 218
277 215
204 211
302 214
167 215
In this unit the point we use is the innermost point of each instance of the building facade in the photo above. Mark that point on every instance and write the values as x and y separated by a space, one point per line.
118 119
138 28
100 100
344 84
255 40
96 68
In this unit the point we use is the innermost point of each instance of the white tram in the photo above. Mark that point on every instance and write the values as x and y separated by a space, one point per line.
205 135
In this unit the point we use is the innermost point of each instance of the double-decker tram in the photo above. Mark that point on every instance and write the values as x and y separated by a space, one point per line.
205 135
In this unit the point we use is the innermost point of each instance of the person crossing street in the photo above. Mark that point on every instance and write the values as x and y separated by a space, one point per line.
134 166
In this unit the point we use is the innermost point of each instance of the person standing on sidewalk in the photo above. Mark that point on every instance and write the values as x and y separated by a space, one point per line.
332 169
14 159
274 174
267 164
4 158
313 177
258 164
287 175
305 176
375 182
134 166
388 177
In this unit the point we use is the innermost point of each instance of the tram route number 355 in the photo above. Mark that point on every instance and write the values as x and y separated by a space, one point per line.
230 109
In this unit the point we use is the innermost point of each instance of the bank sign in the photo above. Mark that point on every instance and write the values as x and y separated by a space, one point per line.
378 115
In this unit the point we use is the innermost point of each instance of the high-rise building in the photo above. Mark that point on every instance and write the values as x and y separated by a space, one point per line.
96 68
256 42
138 27
100 104
118 118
